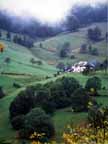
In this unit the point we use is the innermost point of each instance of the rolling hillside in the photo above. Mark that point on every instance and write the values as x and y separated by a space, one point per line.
21 71
51 46
20 61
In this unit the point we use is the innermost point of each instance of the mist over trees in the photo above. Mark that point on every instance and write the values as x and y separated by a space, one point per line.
88 14
76 18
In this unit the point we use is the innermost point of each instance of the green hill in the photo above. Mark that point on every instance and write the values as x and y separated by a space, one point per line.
20 61
21 71
50 47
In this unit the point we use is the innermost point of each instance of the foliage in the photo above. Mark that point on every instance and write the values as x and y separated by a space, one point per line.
80 99
7 60
37 121
98 117
72 23
18 122
84 134
70 84
58 95
33 61
87 14
94 82
65 50
94 51
104 65
94 34
27 42
21 104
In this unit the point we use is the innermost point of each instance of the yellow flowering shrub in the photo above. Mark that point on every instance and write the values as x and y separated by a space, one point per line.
85 135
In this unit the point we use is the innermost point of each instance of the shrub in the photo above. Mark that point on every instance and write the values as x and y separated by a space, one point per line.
95 51
94 83
37 121
18 122
61 91
80 99
49 107
7 60
58 95
64 52
94 34
69 85
21 104
16 85
72 56
98 117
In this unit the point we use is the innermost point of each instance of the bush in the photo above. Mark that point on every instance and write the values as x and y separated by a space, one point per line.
64 52
22 104
94 34
69 85
18 122
16 85
72 56
95 51
58 95
49 107
80 99
98 117
37 121
93 83
61 91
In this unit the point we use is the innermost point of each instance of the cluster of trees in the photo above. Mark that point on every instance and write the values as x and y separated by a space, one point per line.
94 34
30 110
27 42
19 39
65 50
87 14
88 49
72 23
31 27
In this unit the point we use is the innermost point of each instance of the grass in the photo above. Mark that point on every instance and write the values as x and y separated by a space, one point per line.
64 117
20 61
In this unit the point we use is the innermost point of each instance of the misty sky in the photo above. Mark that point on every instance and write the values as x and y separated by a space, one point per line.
45 10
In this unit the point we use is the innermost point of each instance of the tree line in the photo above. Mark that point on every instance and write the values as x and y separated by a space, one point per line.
32 109
76 18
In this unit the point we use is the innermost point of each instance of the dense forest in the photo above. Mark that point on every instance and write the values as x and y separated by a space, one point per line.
34 28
